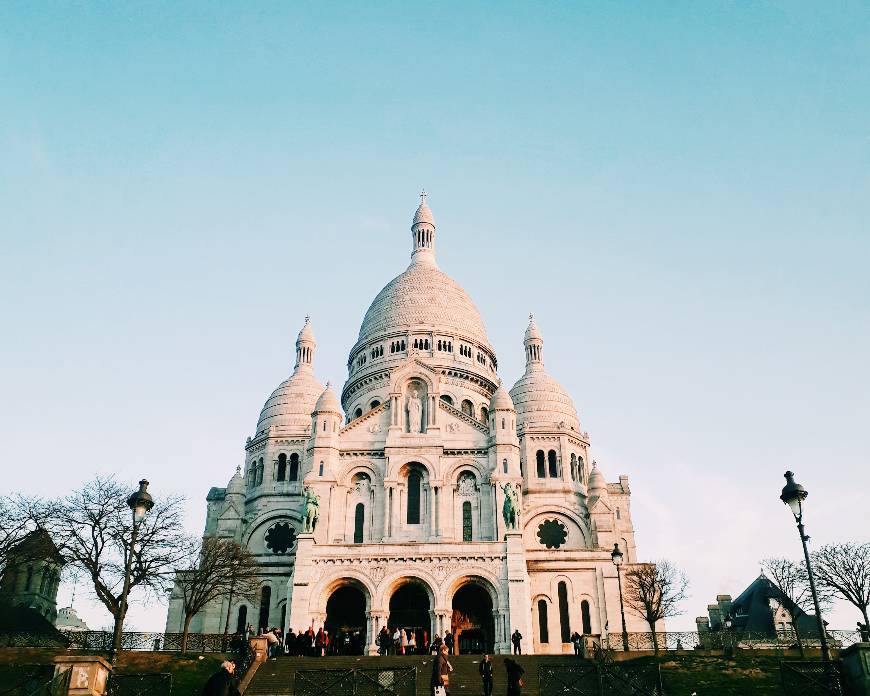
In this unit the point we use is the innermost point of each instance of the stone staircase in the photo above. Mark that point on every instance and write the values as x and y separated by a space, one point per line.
277 676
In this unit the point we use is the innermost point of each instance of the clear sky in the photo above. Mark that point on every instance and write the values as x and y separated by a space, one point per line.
680 192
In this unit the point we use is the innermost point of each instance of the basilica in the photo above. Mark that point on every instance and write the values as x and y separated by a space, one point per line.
425 494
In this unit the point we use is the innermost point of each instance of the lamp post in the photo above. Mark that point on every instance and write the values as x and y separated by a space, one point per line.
616 557
793 494
730 644
139 502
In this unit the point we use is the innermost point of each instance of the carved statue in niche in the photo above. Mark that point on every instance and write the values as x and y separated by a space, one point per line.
467 487
415 413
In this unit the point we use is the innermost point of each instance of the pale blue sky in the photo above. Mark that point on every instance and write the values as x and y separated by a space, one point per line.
679 191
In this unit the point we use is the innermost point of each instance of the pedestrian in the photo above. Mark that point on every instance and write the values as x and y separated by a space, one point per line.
448 641
318 643
397 641
384 640
441 669
271 643
436 646
290 642
485 669
514 675
412 642
403 641
223 682
249 631
576 639
516 637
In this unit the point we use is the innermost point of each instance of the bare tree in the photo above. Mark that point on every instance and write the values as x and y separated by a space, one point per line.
94 530
215 569
654 592
844 570
793 583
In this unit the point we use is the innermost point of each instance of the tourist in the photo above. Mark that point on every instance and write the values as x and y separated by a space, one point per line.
514 677
485 669
290 642
403 641
271 643
441 669
384 641
249 631
576 639
436 646
516 637
412 642
318 643
448 641
223 682
397 641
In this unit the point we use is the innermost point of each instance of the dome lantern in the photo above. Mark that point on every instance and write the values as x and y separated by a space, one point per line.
534 344
305 346
423 234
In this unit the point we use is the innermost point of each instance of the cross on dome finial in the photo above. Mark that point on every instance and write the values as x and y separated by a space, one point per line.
307 318
423 196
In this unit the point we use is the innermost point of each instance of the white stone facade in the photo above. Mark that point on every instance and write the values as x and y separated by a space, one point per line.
412 481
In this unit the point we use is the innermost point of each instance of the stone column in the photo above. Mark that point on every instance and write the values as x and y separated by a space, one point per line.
388 502
89 674
431 512
298 591
519 597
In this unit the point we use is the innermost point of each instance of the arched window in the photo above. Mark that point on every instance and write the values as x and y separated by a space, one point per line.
584 615
580 471
357 413
466 521
294 467
242 619
359 520
375 404
415 482
265 601
542 467
468 408
564 621
446 399
282 467
543 631
553 464
320 471
484 414
260 472
618 514
573 466
504 466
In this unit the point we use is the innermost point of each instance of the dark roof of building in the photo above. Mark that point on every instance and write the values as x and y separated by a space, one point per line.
37 545
215 493
751 610
21 619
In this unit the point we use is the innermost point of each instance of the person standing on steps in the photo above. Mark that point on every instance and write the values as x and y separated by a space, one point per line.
485 669
441 669
514 677
576 639
448 641
516 637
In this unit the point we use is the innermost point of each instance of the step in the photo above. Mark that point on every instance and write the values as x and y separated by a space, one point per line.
277 677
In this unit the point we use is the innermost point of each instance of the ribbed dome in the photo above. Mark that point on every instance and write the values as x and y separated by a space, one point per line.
423 296
236 486
501 400
541 400
597 482
291 404
328 401
423 214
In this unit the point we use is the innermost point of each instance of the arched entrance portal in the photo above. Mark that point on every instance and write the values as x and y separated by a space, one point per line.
409 610
346 621
472 624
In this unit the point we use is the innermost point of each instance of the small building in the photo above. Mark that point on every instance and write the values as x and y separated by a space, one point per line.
69 620
759 609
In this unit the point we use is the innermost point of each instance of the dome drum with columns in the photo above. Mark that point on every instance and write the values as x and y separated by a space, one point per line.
445 501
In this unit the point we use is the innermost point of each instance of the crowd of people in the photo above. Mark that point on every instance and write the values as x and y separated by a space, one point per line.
312 643
441 669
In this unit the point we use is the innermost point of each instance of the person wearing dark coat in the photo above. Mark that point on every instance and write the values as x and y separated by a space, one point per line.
516 637
514 677
441 669
485 669
222 682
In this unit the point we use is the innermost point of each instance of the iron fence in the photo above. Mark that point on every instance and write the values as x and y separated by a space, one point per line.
810 678
398 681
156 684
34 680
101 641
727 640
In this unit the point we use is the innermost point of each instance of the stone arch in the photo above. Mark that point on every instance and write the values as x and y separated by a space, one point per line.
477 576
324 588
475 627
477 468
396 467
259 524
359 467
395 580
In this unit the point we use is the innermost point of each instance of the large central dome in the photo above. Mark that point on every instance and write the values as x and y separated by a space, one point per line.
423 297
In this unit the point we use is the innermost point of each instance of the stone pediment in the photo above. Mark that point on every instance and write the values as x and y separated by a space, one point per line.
371 423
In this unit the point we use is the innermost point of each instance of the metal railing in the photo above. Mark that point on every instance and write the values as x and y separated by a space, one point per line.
101 641
727 640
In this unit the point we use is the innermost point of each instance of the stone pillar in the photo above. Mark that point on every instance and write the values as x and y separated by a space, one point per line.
89 674
430 500
519 597
388 501
298 591
856 669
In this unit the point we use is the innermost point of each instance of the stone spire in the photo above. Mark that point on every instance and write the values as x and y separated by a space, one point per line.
534 344
423 234
305 345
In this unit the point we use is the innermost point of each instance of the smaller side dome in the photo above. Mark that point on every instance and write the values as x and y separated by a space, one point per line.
328 402
597 483
236 485
501 400
306 333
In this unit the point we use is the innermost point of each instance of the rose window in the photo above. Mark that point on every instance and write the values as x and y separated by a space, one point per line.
280 537
552 534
